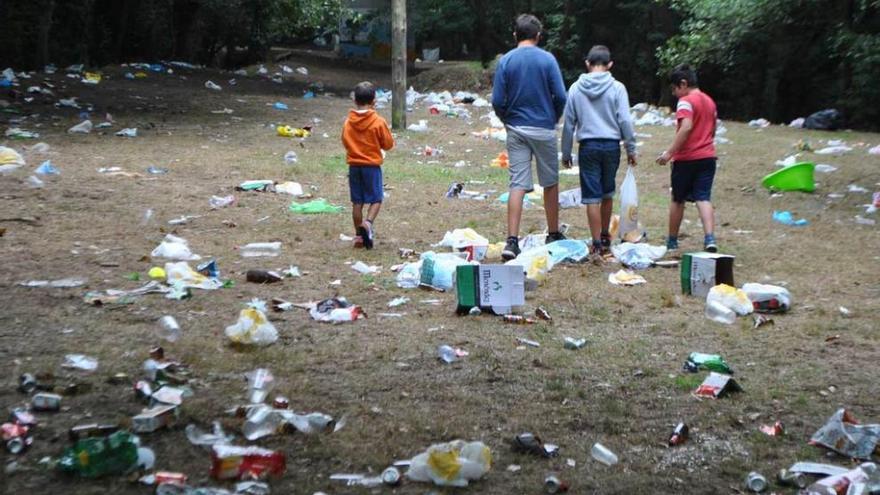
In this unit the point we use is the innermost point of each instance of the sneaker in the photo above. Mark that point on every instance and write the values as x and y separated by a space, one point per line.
555 236
605 241
671 244
595 256
709 244
366 231
511 249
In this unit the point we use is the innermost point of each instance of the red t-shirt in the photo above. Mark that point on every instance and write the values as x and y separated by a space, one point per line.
700 144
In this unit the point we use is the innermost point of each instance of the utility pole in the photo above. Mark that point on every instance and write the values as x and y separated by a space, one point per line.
398 64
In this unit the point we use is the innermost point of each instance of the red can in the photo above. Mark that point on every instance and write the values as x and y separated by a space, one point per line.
15 436
230 462
167 477
280 402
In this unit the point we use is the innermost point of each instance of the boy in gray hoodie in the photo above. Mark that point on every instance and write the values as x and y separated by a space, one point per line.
597 113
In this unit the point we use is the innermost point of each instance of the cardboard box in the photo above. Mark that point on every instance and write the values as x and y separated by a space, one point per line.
490 287
702 271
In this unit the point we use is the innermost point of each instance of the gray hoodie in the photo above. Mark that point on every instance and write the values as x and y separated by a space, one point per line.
597 108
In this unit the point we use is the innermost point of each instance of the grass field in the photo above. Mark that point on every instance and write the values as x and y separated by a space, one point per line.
625 389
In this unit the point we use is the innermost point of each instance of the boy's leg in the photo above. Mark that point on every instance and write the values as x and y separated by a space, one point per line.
373 212
590 162
514 211
707 216
682 178
374 193
356 191
676 213
357 215
547 166
520 169
705 175
610 164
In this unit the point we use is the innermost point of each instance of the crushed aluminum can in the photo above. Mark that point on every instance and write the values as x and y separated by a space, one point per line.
16 437
792 478
542 314
756 482
27 383
46 402
281 402
519 320
391 476
553 484
679 435
79 432
574 344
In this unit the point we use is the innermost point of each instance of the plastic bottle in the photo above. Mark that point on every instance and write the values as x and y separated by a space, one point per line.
168 329
262 421
711 362
256 249
720 313
446 354
260 383
290 158
603 455
94 457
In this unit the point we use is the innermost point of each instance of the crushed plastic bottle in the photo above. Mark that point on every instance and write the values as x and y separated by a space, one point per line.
602 454
168 329
260 384
256 249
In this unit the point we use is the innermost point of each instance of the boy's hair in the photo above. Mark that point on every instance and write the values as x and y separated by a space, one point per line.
527 27
683 72
364 93
599 55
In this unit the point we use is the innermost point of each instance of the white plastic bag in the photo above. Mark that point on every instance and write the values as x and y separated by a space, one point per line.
408 276
175 248
451 464
629 207
730 297
181 275
252 326
768 298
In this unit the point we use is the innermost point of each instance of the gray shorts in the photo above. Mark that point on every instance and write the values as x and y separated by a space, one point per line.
521 147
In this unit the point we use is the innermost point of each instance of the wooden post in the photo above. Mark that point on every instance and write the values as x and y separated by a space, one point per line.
398 64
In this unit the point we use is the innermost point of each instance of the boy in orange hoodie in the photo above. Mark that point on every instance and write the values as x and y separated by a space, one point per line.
365 134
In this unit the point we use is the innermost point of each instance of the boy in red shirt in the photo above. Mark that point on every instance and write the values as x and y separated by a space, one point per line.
365 134
693 155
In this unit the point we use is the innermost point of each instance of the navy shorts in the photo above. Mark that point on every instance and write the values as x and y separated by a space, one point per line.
598 160
365 184
692 180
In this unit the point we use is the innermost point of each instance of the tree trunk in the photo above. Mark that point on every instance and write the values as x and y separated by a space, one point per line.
119 40
43 33
398 64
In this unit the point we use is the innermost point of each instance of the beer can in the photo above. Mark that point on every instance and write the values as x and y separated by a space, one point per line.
16 437
552 485
27 383
391 476
679 435
789 478
756 482
46 402
517 319
280 402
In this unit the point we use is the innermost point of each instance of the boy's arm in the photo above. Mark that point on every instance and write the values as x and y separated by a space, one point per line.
499 92
681 136
624 122
568 130
386 140
557 90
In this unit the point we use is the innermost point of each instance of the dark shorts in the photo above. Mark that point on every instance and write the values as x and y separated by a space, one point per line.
598 160
692 180
365 184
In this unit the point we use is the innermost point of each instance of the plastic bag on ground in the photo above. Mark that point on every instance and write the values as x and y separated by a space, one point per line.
181 275
731 298
175 248
629 208
83 127
768 298
826 120
252 326
336 310
409 276
291 188
438 269
314 207
461 238
844 435
451 464
570 198
638 256
197 436
9 156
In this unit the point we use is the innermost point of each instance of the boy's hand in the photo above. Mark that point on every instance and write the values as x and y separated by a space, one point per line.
632 159
566 163
663 159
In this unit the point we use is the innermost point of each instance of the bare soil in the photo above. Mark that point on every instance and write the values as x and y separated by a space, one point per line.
625 389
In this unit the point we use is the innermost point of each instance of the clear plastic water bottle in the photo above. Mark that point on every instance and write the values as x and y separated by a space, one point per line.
168 329
446 354
720 313
602 454
262 421
260 383
256 249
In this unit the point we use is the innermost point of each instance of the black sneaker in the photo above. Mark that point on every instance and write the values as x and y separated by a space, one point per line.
555 236
366 233
511 249
605 241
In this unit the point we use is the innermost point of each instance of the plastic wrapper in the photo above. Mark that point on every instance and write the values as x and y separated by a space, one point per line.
233 462
845 436
408 277
629 207
180 274
314 207
730 297
336 310
768 298
175 248
451 464
197 436
252 327
438 269
638 256
626 277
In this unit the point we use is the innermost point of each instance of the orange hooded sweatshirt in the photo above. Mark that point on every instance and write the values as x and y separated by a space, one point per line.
364 135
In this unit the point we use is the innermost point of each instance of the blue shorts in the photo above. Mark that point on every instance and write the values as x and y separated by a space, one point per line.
598 160
365 184
692 180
